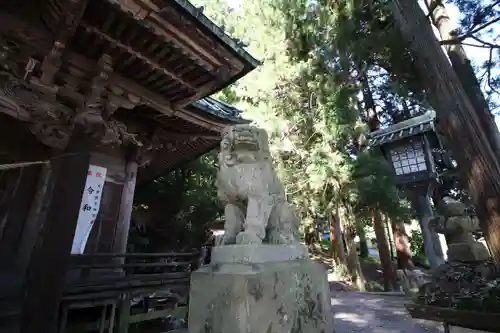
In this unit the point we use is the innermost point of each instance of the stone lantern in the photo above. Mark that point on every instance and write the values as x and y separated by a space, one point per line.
414 150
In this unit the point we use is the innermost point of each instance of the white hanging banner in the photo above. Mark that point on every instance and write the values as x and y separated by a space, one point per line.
89 207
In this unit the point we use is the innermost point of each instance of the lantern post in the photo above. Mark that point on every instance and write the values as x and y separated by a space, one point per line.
412 148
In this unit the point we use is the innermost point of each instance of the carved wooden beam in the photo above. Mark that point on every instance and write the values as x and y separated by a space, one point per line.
46 117
146 153
137 55
51 64
91 115
66 27
146 96
118 98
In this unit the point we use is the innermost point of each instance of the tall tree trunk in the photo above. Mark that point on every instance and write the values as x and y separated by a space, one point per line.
388 235
337 244
363 243
353 264
458 120
371 113
464 70
402 244
383 250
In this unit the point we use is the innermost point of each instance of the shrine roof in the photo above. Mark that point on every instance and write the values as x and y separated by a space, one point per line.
167 52
218 109
206 23
193 51
183 140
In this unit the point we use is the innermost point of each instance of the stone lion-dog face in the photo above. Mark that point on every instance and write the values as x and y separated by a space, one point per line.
243 144
255 205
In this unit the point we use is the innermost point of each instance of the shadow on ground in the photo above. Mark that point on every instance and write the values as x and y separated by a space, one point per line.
368 313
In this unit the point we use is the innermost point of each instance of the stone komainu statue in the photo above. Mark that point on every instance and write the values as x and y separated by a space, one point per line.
255 205
457 225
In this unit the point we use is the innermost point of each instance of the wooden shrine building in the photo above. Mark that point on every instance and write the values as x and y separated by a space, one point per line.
107 93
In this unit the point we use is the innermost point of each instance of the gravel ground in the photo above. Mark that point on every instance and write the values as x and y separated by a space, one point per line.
368 313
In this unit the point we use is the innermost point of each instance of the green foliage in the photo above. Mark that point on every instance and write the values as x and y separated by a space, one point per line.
478 27
464 286
173 211
306 96
325 64
417 243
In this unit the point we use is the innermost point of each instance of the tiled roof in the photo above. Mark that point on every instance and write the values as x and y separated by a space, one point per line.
410 127
219 109
218 31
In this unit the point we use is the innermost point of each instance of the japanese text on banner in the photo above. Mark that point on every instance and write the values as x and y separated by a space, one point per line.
89 207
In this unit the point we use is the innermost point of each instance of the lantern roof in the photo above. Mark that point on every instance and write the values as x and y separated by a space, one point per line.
404 129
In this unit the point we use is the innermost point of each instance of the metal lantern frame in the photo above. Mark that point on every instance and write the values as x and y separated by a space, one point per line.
413 147
408 146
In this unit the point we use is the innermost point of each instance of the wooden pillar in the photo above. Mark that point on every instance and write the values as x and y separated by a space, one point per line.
36 213
50 259
125 215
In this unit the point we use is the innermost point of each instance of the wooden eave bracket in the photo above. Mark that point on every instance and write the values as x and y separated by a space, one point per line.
66 27
146 96
138 55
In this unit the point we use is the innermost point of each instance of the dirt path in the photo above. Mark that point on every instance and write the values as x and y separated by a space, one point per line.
367 313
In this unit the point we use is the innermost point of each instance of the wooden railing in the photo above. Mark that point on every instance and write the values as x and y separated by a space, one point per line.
110 292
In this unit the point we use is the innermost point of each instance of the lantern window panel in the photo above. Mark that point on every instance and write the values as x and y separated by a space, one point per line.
408 159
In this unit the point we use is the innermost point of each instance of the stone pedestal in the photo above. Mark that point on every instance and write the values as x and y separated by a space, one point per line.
260 289
473 251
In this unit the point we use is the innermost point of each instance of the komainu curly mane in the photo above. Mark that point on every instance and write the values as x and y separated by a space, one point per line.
255 206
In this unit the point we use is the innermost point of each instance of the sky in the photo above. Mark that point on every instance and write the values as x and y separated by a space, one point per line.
475 54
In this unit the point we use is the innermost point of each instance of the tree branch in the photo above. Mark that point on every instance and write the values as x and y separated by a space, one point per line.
479 28
486 45
469 34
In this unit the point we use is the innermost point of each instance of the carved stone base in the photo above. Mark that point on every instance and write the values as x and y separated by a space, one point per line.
257 253
272 296
467 252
